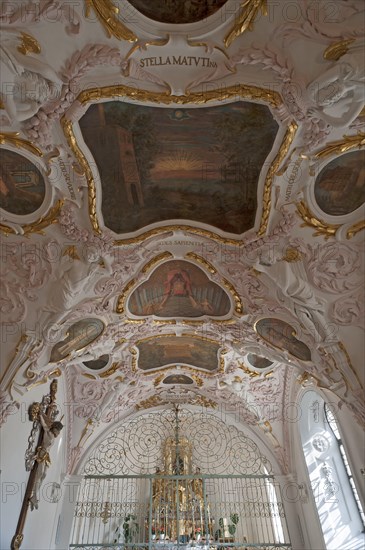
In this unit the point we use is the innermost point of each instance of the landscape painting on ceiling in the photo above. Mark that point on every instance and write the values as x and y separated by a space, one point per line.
340 186
22 187
158 352
177 11
179 289
282 335
159 164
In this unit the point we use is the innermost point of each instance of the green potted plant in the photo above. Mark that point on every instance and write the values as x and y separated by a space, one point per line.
227 529
130 528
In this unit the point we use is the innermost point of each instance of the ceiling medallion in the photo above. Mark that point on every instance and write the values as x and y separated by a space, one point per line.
179 289
282 336
195 98
339 187
162 287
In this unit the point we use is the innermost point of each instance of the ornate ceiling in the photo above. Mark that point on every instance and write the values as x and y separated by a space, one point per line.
182 215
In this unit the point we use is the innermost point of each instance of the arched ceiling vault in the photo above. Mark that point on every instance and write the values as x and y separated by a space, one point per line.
182 207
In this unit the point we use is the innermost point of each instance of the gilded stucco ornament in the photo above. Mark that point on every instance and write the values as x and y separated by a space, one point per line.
202 261
342 145
12 138
250 9
321 227
354 229
107 13
338 49
161 62
28 44
38 226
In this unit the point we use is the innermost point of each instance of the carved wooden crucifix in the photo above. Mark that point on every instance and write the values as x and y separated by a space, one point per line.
37 458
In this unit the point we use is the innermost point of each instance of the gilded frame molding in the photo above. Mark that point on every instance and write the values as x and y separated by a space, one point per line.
270 98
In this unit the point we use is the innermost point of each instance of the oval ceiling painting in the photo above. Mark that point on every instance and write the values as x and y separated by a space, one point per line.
158 165
340 186
167 350
179 289
22 187
177 11
97 364
282 335
258 362
78 336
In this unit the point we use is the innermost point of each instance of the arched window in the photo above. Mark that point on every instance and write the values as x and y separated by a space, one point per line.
330 417
335 495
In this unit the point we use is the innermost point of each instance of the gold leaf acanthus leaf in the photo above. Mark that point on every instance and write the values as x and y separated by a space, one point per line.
347 143
107 14
246 19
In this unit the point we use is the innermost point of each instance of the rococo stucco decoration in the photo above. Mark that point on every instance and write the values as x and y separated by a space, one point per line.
181 212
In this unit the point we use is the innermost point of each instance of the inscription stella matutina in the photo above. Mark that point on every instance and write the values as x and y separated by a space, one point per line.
188 60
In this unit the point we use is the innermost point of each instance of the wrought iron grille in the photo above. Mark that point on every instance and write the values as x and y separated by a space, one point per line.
178 480
179 512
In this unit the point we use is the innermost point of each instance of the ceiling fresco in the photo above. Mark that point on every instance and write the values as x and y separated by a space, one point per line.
162 351
177 11
199 165
78 336
177 379
258 362
340 186
22 187
97 364
191 229
179 289
282 335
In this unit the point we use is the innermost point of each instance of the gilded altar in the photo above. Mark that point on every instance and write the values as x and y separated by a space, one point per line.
179 508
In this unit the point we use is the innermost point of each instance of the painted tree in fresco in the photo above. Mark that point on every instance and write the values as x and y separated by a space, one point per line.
234 141
143 130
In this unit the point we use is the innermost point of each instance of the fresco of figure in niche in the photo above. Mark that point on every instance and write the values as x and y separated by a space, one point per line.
177 11
179 289
340 187
179 164
282 335
258 362
22 187
177 379
78 336
171 350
